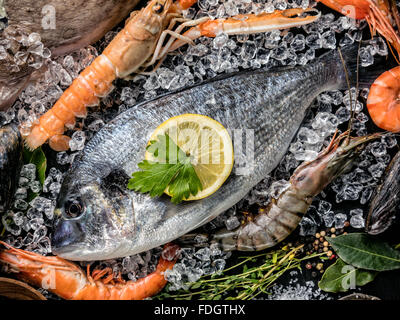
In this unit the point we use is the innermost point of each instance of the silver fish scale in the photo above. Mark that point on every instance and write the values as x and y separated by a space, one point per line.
273 104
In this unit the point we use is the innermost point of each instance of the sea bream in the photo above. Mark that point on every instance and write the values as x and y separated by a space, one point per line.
98 218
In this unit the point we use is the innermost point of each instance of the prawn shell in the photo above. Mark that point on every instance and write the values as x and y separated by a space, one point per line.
386 200
383 101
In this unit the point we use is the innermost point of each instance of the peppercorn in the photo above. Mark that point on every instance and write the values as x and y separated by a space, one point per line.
320 266
323 233
333 230
314 264
326 243
326 249
308 266
316 242
329 253
344 233
314 274
321 239
317 235
333 236
346 224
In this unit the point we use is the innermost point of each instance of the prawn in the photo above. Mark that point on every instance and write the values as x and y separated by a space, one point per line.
383 102
278 220
378 14
69 281
139 45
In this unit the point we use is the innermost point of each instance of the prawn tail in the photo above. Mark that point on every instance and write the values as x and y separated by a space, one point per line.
95 81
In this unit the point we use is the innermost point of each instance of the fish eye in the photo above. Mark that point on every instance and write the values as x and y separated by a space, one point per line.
158 8
74 208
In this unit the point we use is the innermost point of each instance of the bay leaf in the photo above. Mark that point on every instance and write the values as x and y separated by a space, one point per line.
341 277
365 252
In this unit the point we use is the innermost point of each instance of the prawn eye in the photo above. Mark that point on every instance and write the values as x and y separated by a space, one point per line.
158 8
74 208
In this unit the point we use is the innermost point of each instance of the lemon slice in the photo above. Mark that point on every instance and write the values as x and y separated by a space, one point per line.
208 144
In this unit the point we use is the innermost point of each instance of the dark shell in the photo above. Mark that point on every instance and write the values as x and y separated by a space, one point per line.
386 200
10 163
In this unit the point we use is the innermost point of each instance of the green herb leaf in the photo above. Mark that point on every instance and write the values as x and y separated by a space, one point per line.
172 169
366 252
340 277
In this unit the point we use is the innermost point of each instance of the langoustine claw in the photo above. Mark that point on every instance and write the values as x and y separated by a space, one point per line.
69 281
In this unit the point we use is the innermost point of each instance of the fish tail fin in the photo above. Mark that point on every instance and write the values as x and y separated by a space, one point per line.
352 73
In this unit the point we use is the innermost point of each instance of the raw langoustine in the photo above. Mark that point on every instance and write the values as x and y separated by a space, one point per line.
97 217
279 219
69 281
140 44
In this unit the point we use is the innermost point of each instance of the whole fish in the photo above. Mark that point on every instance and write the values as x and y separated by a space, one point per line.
98 218
10 163
386 199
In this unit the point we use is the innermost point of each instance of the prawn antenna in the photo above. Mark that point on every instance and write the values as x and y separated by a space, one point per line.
348 85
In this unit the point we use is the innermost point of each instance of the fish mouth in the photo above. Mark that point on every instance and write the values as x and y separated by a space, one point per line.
68 236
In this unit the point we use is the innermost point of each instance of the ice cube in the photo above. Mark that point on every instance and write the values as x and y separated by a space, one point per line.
378 149
366 56
307 227
329 218
28 171
20 204
357 221
308 135
21 193
203 254
340 219
324 207
77 141
232 223
298 43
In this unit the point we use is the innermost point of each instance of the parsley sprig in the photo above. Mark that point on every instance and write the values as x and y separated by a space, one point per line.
172 169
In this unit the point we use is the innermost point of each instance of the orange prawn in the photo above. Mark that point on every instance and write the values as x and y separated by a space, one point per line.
383 101
378 14
69 281
138 45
